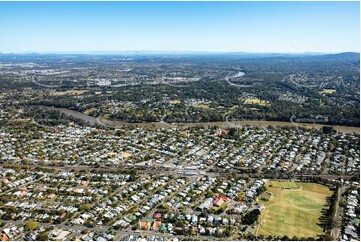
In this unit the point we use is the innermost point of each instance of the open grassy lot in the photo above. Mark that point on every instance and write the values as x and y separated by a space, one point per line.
264 196
70 92
174 101
284 184
206 106
328 91
256 101
293 212
215 208
126 154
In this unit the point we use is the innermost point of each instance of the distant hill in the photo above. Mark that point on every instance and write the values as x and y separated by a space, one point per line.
345 56
204 57
151 52
307 57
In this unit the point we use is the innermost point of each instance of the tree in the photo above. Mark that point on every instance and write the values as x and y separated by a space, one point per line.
133 175
270 237
227 232
240 196
251 217
84 207
327 129
32 225
61 211
43 236
285 238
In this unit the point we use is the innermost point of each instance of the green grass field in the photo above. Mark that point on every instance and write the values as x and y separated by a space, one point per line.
293 212
256 101
280 184
206 106
215 208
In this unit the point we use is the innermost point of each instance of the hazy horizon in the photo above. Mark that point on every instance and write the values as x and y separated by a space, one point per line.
115 52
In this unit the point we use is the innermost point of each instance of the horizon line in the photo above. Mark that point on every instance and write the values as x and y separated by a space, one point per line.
114 52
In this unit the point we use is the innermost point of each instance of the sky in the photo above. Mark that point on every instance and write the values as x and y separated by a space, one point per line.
283 27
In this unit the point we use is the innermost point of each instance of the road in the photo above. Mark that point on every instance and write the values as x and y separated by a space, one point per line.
75 229
338 213
175 172
21 185
43 85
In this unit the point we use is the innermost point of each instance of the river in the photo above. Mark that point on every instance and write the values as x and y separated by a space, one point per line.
239 74
118 124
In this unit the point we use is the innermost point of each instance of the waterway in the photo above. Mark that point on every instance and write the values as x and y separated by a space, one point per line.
239 74
118 124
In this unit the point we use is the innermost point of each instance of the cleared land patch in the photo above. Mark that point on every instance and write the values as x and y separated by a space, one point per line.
175 101
284 184
69 92
206 106
256 101
292 212
126 154
327 91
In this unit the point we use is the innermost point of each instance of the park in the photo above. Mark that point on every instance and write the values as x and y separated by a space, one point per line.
292 209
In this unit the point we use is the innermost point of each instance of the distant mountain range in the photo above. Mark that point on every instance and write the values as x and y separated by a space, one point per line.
340 56
154 52
307 56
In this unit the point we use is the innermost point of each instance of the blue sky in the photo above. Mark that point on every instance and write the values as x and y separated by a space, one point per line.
180 26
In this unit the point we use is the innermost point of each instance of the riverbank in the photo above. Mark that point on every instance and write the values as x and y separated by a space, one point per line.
222 124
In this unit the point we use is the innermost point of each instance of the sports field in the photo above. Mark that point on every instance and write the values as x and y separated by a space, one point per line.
284 184
293 212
